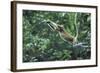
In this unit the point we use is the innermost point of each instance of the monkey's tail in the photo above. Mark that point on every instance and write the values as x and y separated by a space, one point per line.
76 27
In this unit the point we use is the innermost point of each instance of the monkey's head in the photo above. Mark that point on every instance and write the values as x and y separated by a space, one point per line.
60 28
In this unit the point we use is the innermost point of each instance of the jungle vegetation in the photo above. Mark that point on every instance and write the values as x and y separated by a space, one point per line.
40 43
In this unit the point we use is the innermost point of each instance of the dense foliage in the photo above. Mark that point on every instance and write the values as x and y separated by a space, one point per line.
40 43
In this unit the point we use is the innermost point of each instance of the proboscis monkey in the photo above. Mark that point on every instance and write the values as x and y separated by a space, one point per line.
62 32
